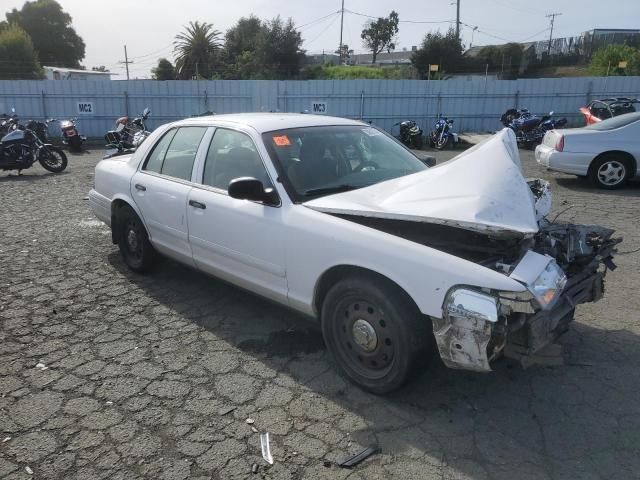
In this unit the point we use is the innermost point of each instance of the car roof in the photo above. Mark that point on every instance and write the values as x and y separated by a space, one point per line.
267 122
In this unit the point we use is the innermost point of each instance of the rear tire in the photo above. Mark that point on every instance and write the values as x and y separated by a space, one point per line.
417 142
133 241
375 332
610 171
53 159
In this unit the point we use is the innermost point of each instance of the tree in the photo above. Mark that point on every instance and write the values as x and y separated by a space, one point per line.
440 49
19 57
504 58
164 71
196 50
53 37
257 49
242 48
344 52
379 35
606 60
282 54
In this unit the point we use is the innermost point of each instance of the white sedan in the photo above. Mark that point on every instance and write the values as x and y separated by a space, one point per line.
337 220
607 152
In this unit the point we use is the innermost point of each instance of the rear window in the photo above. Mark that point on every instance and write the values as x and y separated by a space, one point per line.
615 122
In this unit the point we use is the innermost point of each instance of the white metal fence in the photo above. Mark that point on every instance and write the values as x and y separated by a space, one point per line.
476 105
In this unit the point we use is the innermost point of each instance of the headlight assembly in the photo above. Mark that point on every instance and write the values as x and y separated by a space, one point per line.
548 286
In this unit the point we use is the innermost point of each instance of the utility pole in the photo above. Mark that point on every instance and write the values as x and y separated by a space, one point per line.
458 19
552 16
341 29
126 61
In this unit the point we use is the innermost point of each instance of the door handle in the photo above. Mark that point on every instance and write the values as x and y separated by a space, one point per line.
199 205
142 188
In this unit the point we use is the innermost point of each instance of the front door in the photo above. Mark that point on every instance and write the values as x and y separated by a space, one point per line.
161 190
238 240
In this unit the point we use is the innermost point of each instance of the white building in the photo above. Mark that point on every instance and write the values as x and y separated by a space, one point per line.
61 73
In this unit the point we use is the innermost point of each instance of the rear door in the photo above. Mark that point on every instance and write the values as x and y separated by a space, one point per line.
161 188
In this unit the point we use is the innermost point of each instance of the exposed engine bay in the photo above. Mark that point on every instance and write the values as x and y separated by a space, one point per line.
562 265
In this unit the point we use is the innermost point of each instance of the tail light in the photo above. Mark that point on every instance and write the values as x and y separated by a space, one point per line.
560 144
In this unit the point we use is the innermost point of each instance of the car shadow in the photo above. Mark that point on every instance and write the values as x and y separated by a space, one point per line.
580 184
477 424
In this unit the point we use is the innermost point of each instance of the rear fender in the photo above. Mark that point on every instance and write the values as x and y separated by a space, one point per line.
122 198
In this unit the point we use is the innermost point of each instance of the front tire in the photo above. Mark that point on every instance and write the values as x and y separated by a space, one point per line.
52 159
442 143
133 241
75 143
610 171
375 332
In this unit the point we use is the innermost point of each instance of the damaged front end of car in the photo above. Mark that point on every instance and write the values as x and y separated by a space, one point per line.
564 265
479 207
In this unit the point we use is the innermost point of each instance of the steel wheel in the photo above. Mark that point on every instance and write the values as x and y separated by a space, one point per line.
133 241
365 340
375 332
612 173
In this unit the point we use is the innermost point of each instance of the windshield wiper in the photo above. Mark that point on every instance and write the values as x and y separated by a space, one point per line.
329 190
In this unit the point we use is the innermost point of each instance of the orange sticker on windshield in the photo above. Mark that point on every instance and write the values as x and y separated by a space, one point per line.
281 141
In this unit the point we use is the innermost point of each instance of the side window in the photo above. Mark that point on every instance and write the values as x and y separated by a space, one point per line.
155 159
232 155
178 161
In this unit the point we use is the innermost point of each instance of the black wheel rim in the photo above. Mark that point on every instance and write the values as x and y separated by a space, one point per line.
133 240
365 337
53 159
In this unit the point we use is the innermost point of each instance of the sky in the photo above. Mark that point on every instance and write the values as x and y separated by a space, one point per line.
147 27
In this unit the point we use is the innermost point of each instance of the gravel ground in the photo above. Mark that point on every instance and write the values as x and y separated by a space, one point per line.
111 375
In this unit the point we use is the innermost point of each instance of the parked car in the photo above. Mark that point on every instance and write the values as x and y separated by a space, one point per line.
337 220
599 110
606 152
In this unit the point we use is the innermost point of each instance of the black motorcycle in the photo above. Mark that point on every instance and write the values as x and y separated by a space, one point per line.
530 129
41 129
8 122
127 135
410 134
21 148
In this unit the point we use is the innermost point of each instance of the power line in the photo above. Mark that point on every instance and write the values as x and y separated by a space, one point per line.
324 30
317 20
400 21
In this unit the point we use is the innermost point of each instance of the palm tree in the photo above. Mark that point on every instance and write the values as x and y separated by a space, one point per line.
196 50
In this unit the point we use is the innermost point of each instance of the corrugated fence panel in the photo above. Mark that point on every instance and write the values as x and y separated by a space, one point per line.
475 105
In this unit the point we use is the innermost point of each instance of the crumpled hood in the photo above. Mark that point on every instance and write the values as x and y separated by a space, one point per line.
482 189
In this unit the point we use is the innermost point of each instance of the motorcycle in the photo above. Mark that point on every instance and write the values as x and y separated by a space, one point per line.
21 148
70 135
9 123
530 129
41 129
410 134
442 134
127 135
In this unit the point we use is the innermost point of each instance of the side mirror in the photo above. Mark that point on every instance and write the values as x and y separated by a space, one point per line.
13 110
551 113
249 188
146 112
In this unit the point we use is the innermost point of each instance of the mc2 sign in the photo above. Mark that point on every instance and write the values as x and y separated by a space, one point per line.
85 108
319 108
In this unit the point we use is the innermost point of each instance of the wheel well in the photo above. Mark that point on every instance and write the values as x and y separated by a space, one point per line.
627 155
337 273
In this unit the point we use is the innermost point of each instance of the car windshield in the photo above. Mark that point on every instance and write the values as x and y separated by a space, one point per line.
615 122
318 161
